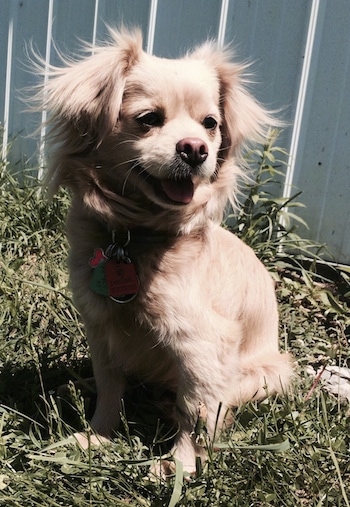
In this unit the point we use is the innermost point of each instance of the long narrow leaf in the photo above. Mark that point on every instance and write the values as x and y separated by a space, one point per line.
274 447
178 484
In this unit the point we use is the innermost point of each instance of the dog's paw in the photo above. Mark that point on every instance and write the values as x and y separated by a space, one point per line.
162 468
166 469
86 440
187 451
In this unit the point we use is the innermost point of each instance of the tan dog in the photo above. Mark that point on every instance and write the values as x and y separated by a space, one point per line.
150 149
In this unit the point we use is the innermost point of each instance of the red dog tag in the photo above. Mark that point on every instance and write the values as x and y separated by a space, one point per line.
121 279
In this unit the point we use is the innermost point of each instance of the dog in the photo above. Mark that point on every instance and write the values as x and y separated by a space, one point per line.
151 149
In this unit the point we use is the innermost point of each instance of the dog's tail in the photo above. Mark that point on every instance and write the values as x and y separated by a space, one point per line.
266 374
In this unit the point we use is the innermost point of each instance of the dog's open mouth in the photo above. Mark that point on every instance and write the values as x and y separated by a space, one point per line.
179 191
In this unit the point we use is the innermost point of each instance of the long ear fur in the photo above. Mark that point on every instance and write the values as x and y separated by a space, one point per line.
244 119
83 98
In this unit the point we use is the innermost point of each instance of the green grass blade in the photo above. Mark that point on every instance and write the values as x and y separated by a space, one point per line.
178 484
273 447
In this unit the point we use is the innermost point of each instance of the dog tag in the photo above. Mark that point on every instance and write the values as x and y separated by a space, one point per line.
98 281
114 274
98 257
115 279
122 280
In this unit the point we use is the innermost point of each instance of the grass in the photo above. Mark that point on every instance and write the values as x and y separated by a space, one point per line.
287 451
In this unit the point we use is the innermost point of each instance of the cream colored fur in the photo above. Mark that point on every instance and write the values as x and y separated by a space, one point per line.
205 320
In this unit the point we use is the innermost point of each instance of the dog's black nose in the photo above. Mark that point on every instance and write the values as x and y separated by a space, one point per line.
192 150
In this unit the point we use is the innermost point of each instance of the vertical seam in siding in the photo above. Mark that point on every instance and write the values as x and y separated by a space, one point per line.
151 26
46 78
7 97
222 23
301 98
94 30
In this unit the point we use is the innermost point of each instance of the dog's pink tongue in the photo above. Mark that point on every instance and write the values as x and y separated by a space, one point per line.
179 190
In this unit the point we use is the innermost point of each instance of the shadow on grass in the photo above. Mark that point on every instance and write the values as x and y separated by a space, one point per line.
148 409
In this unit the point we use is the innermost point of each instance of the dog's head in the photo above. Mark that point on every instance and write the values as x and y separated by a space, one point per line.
151 141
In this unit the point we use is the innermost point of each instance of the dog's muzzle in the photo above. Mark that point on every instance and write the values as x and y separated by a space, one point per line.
179 187
192 152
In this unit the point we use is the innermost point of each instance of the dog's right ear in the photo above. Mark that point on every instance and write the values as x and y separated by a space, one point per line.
244 120
83 98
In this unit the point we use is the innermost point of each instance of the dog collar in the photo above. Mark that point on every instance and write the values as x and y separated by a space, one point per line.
139 236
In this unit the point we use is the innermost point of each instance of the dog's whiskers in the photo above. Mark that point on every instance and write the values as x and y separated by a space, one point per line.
128 175
128 141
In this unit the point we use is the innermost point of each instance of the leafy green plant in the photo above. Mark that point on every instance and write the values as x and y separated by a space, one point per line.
264 220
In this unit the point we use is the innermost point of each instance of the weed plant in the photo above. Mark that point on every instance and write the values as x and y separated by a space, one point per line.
292 450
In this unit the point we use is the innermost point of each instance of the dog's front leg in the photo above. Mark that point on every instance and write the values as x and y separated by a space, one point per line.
110 386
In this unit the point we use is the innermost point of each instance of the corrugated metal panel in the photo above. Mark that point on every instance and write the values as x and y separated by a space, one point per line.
182 24
127 12
322 158
286 41
272 34
23 27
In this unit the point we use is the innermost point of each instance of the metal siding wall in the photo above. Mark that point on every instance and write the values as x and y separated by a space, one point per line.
322 165
261 33
270 33
72 22
183 24
127 12
25 29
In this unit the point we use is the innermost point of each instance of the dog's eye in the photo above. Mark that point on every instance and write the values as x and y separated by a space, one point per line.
151 119
209 123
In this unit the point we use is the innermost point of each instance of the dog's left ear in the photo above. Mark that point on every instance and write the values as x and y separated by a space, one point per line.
84 98
244 120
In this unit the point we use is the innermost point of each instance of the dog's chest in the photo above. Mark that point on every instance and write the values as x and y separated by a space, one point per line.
169 290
